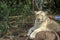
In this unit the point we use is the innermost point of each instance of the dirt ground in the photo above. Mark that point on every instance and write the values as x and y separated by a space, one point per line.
18 37
15 38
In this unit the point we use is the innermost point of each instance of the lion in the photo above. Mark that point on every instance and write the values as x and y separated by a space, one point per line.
43 23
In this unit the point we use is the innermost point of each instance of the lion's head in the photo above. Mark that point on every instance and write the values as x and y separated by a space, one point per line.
40 16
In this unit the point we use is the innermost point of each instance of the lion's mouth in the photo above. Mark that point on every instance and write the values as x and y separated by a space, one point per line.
39 21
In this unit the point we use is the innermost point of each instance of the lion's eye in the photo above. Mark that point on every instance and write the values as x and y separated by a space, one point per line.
41 15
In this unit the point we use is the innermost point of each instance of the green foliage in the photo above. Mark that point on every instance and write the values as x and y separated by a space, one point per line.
13 8
4 11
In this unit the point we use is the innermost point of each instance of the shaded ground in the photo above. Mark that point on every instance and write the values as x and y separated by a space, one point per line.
39 36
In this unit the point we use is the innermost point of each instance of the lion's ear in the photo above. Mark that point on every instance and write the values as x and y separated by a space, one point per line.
37 12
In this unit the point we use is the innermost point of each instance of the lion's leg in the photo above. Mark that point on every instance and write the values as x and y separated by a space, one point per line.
33 34
31 30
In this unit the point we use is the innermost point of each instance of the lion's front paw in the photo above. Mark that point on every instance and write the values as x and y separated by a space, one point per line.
28 35
32 36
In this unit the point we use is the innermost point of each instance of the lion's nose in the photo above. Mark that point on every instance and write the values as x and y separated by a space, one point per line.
38 20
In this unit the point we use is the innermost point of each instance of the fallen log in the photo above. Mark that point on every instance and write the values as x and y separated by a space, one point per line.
46 35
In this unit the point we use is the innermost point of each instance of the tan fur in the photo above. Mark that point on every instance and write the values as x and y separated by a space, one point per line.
42 23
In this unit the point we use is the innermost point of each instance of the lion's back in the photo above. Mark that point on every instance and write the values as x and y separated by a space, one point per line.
53 25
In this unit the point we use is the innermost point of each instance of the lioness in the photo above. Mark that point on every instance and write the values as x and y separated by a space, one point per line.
42 23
